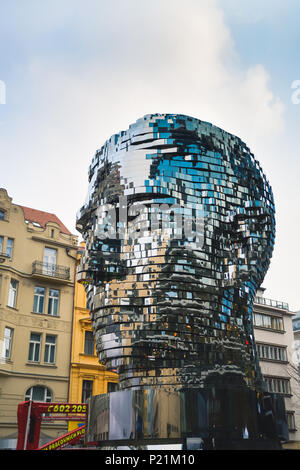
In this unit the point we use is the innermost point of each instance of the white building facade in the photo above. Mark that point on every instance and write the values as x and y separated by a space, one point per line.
274 336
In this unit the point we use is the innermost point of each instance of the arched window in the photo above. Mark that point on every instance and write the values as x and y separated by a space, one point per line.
38 393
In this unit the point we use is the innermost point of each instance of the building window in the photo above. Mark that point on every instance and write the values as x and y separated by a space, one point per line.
9 247
38 300
268 321
88 342
39 393
34 347
87 390
50 348
7 343
2 214
296 324
53 302
273 353
1 244
278 385
49 265
290 416
112 387
12 295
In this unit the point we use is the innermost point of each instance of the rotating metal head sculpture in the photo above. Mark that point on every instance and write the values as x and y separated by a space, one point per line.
179 229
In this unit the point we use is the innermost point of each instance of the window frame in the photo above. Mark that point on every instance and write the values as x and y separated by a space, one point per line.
84 398
9 249
272 352
269 322
52 301
88 343
49 347
13 293
49 261
35 343
47 393
280 385
290 417
39 297
8 339
112 386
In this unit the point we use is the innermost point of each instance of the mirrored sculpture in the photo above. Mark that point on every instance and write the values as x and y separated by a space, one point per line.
179 225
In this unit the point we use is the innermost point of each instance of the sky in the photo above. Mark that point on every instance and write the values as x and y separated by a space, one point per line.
75 72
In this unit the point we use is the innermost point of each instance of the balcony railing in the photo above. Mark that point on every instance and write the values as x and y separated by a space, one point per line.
271 303
52 270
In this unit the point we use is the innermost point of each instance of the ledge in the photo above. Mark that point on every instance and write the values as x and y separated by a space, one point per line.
38 364
47 315
269 329
274 361
12 308
51 241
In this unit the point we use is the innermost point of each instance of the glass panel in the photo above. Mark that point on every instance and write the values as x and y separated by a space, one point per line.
8 332
53 302
37 353
52 355
34 347
258 319
35 337
87 388
12 296
49 266
267 321
31 349
89 342
50 255
38 301
38 393
9 247
112 387
49 356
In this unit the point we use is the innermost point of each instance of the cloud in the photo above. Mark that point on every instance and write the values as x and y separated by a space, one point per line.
95 68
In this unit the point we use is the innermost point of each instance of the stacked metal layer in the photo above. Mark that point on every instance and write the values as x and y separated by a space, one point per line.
179 228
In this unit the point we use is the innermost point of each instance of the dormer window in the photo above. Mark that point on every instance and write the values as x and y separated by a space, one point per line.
2 214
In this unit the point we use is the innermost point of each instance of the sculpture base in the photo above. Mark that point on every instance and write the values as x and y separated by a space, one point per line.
211 418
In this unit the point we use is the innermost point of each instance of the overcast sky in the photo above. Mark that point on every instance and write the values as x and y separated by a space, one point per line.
78 71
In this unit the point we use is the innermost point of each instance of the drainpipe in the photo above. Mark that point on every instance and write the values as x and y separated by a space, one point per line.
72 320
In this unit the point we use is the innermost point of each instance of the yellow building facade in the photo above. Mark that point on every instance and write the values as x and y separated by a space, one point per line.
38 258
87 376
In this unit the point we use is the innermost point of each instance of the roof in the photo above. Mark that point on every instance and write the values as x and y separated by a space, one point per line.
42 218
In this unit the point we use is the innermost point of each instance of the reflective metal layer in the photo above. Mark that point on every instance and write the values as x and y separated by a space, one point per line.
219 418
179 229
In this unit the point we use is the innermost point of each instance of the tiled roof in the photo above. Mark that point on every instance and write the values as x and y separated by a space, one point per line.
41 217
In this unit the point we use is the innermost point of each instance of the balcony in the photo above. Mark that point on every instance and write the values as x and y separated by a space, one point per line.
271 303
53 271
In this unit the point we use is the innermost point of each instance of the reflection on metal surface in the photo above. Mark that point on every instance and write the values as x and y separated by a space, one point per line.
212 417
179 228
